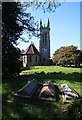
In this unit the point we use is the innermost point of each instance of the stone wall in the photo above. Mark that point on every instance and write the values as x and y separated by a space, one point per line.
31 60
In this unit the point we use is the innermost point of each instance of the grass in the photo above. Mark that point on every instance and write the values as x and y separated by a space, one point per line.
38 109
50 69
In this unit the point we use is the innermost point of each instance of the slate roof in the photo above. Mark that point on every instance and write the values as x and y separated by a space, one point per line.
31 50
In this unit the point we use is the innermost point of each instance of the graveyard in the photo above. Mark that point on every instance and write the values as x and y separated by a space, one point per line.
33 107
41 60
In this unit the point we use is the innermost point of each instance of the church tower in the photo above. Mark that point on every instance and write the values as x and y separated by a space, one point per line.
44 43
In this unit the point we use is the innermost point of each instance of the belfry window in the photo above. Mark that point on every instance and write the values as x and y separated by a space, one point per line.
45 39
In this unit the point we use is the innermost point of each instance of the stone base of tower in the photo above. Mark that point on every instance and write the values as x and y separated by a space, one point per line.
45 64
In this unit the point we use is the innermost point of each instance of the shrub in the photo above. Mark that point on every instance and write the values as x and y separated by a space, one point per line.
24 68
75 109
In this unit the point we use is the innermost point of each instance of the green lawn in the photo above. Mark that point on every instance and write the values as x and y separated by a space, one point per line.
37 108
50 69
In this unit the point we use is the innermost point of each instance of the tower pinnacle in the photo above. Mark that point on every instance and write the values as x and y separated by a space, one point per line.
40 23
48 25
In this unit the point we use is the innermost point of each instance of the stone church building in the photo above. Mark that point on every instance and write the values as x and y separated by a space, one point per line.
32 56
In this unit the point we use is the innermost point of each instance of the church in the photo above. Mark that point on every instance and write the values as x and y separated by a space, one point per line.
33 57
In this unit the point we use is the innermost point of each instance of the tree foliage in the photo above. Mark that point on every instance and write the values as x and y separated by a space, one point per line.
67 56
46 6
10 34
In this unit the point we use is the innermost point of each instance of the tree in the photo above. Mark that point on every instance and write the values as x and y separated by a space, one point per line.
9 37
67 56
13 24
78 58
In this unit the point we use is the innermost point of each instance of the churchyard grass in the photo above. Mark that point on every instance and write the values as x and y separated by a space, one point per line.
37 108
51 69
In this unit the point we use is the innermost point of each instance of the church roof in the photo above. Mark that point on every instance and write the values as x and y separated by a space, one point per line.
31 50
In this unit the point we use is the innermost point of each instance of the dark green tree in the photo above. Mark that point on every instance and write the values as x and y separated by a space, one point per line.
67 56
10 33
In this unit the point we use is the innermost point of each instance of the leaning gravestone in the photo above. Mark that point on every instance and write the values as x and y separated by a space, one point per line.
69 93
28 90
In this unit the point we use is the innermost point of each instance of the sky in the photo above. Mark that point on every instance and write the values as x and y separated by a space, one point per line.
64 26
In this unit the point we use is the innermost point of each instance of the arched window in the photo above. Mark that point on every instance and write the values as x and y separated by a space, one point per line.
30 59
36 58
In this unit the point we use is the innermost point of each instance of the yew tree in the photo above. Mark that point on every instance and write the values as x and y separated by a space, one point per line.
13 25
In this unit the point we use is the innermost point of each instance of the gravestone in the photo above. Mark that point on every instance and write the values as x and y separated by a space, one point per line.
28 90
48 92
69 93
